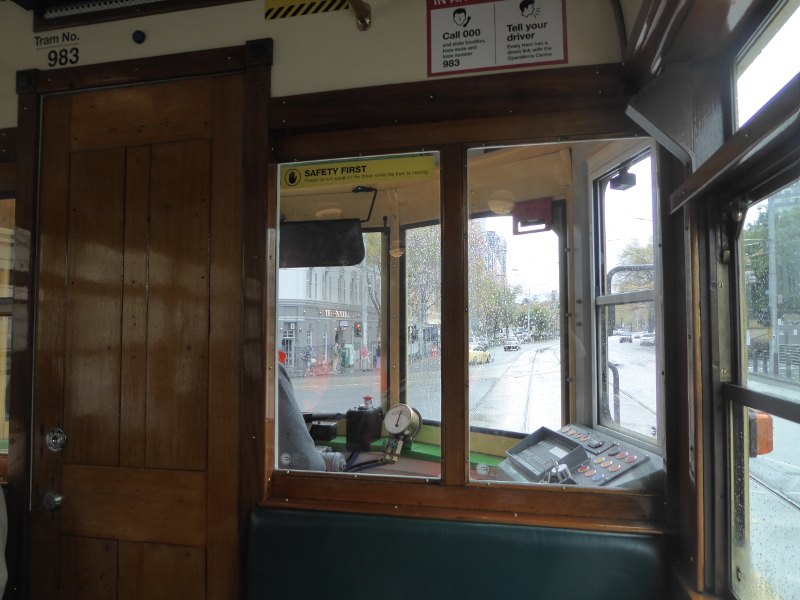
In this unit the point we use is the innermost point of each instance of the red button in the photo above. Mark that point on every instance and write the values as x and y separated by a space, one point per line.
584 438
631 458
571 432
606 464
579 434
563 429
599 459
615 468
622 455
583 469
590 473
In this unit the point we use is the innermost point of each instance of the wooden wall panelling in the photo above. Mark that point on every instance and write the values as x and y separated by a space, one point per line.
112 118
704 35
49 389
88 568
134 308
94 303
178 305
8 145
174 572
498 95
769 129
135 505
160 571
655 29
141 70
543 127
130 566
225 338
455 397
8 176
259 267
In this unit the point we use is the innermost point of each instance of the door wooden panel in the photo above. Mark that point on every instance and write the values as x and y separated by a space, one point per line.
133 391
88 568
125 116
177 323
140 205
94 296
135 505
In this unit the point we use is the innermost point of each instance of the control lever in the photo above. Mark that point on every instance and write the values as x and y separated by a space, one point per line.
559 473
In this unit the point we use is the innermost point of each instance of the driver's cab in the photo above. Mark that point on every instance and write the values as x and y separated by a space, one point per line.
560 249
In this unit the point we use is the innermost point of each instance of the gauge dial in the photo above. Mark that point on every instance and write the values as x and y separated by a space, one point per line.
401 419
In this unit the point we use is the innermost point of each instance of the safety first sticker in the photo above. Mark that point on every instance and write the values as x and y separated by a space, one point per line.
349 172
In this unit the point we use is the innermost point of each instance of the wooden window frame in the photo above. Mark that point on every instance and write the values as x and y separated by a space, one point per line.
8 176
452 116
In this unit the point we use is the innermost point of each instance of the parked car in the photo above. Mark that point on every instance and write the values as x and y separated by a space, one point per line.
479 354
625 336
648 339
510 344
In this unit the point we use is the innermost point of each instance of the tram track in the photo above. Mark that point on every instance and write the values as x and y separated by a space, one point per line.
775 492
632 399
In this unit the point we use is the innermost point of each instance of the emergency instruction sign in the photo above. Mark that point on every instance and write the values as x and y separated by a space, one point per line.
482 35
355 172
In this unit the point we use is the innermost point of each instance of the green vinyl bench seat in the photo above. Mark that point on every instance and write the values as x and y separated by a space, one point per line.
305 555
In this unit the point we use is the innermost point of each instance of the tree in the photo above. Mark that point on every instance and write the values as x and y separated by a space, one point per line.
634 254
423 251
639 315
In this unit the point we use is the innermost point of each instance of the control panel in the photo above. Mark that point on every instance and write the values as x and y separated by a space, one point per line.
578 455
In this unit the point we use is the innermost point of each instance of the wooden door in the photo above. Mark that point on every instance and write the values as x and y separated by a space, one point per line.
138 337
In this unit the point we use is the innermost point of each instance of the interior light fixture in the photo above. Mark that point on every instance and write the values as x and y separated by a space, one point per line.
501 202
328 213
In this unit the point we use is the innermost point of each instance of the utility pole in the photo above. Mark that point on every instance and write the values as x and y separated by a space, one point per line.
364 329
773 287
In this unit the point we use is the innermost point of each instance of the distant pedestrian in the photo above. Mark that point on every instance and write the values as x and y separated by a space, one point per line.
378 356
337 359
364 358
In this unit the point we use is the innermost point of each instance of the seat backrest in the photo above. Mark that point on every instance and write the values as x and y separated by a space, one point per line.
305 555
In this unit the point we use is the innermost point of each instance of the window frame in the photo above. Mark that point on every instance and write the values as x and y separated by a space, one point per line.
454 492
603 298
7 186
491 117
758 160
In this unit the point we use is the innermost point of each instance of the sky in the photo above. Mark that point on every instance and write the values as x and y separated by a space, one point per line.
778 62
532 259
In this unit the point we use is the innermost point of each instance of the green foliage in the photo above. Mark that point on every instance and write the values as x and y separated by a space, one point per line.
756 250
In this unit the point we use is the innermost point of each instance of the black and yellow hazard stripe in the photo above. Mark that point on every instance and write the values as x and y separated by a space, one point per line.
280 9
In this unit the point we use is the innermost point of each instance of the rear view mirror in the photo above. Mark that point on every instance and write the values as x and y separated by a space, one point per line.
332 243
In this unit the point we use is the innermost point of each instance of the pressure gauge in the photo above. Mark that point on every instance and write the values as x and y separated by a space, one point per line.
403 420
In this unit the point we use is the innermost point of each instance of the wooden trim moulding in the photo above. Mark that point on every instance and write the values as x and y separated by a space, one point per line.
482 96
21 383
573 508
8 146
258 211
541 128
218 61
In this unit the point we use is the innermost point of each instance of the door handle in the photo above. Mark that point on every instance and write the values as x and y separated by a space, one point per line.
51 500
56 440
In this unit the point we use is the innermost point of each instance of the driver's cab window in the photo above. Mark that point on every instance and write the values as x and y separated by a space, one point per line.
359 316
563 316
562 323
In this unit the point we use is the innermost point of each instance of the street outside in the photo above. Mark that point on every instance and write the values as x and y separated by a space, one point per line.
521 391
517 391
774 533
